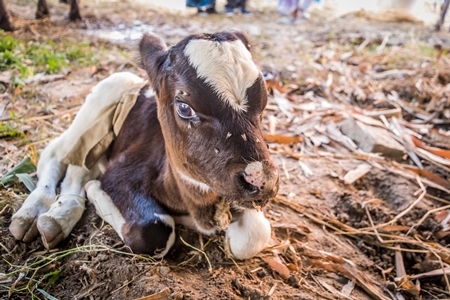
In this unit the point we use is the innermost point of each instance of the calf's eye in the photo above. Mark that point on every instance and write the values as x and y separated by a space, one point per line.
184 110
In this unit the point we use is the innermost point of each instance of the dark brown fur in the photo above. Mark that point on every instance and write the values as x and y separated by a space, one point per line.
6 22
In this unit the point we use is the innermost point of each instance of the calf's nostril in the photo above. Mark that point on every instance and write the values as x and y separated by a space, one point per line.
247 186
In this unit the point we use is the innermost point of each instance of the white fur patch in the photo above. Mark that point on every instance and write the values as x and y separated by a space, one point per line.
203 187
168 220
149 93
248 235
104 206
226 66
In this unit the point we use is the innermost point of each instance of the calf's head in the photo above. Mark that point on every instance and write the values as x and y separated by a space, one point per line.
210 100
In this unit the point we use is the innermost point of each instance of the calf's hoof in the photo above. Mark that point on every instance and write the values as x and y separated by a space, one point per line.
51 232
248 235
23 229
155 238
23 222
57 223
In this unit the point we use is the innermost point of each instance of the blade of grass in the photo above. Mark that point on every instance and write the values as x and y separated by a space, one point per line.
27 181
46 295
25 166
201 251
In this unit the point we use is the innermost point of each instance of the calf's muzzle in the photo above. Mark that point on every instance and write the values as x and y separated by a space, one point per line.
257 183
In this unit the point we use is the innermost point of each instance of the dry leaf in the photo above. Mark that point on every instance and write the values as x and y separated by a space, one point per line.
281 139
430 176
331 289
437 151
433 157
279 268
390 228
405 283
302 230
163 295
442 216
441 234
434 273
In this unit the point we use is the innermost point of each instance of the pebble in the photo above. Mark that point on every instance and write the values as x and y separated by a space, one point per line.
164 270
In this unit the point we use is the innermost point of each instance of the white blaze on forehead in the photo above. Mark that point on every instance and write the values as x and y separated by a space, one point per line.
225 66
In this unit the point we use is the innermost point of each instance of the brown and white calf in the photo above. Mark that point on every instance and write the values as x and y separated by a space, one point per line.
190 151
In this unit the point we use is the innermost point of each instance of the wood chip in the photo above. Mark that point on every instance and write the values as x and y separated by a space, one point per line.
42 78
347 289
306 170
373 139
357 173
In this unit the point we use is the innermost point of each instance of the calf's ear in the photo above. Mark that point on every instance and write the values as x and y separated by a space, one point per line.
153 52
240 35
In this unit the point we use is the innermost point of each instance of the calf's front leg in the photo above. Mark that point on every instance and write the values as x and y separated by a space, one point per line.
141 222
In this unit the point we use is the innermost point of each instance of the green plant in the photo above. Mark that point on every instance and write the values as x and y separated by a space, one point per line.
10 129
26 58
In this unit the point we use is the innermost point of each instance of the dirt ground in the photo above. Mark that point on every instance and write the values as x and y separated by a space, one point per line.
332 237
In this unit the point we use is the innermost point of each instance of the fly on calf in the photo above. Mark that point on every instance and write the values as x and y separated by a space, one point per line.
185 147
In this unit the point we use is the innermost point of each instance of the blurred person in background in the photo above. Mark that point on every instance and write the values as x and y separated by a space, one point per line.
204 7
293 10
236 4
